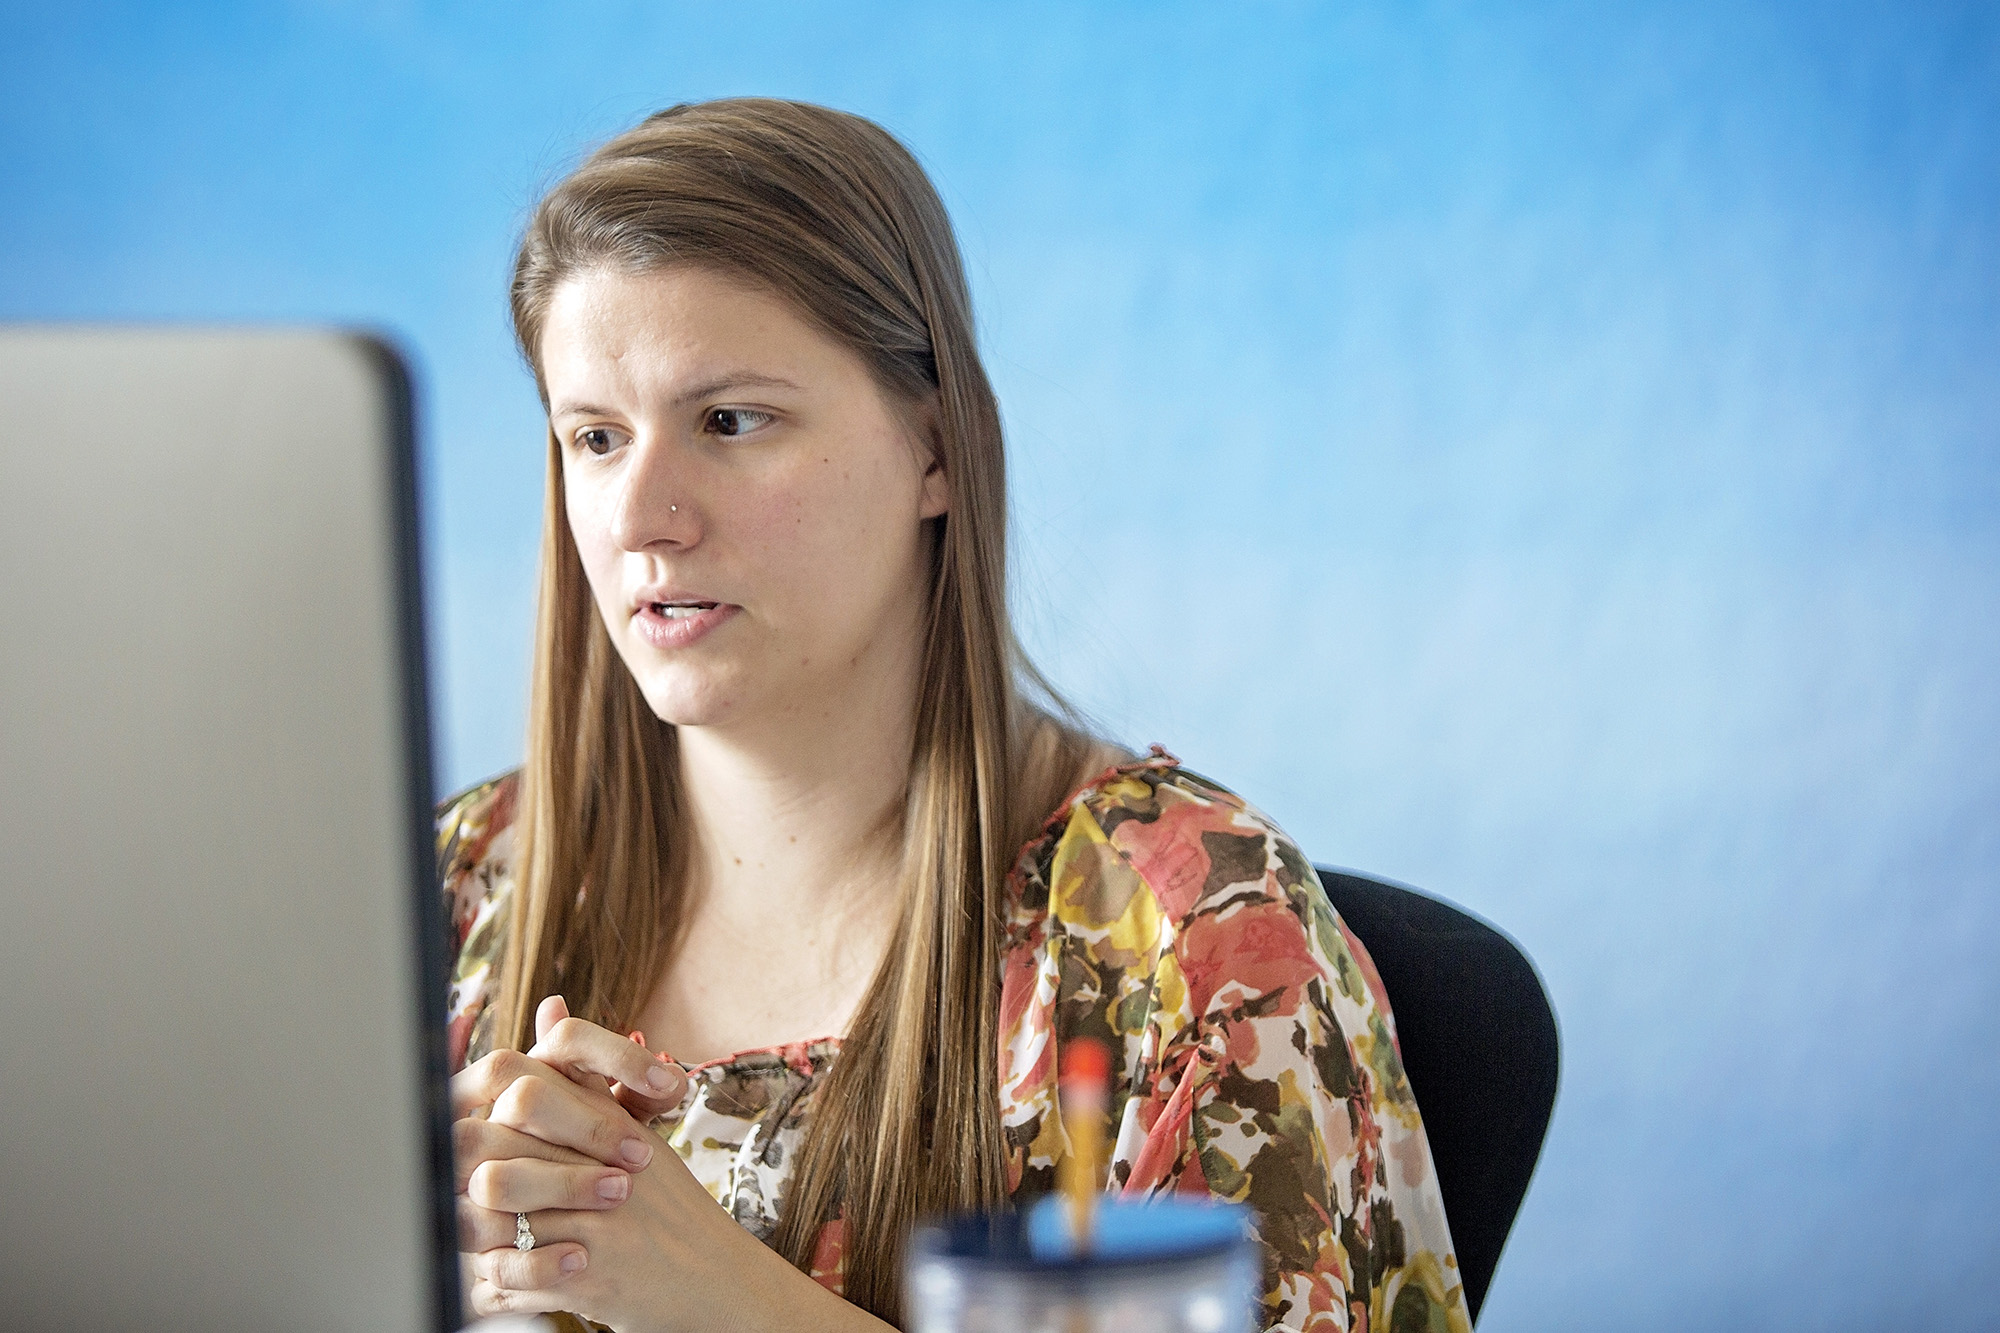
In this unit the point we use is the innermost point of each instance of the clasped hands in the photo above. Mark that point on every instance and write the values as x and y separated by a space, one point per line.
624 1233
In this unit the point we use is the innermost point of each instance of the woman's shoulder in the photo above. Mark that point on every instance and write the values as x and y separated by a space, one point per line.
475 850
475 844
1151 823
1150 856
469 821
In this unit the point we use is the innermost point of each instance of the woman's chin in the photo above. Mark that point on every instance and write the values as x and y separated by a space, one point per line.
676 714
679 706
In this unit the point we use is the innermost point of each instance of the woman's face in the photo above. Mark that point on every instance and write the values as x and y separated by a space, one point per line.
749 507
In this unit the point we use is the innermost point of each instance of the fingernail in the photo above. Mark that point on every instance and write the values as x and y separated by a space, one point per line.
614 1188
635 1151
574 1261
661 1077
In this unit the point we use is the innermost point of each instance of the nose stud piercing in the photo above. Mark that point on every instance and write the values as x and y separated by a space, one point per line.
673 509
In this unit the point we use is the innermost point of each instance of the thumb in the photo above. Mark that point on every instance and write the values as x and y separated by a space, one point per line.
548 1013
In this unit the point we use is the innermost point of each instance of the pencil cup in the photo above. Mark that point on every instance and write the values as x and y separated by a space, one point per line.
1161 1266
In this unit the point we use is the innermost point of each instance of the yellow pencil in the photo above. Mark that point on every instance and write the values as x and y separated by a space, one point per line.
1083 1086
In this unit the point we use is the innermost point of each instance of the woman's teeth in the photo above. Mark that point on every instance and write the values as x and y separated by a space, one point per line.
681 610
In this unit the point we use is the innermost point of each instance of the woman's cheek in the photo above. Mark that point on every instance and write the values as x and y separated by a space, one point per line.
588 529
788 528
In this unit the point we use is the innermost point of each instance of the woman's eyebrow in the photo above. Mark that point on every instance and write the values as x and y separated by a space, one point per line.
708 388
579 410
733 379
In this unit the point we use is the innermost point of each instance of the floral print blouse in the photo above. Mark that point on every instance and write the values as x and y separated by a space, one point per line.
1254 1054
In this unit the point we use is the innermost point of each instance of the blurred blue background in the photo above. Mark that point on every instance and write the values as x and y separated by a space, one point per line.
1546 453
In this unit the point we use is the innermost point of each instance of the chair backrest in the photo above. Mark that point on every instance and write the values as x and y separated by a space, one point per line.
1479 1044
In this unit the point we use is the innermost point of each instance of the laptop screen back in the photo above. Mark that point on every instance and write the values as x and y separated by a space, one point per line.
221 993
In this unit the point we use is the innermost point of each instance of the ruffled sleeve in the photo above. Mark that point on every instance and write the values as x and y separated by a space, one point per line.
475 846
1260 1062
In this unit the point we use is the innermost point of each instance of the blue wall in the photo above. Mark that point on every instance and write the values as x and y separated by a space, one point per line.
1546 457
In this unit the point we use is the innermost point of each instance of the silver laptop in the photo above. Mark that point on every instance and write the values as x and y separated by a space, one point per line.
221 991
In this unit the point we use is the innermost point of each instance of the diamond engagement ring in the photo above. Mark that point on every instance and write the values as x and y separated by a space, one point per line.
524 1236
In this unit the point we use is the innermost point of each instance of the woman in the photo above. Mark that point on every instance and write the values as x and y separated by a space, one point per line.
787 799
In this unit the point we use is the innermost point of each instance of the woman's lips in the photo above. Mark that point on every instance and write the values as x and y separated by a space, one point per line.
685 624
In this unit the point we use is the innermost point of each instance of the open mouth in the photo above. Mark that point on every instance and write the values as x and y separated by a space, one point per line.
681 610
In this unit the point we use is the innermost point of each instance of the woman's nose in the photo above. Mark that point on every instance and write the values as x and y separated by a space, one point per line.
651 505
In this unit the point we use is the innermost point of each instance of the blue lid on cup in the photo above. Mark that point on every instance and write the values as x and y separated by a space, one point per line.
1142 1229
1126 1232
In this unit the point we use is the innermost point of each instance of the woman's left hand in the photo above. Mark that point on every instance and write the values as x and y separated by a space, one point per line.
668 1257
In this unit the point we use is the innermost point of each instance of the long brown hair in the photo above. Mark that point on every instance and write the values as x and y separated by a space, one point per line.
832 213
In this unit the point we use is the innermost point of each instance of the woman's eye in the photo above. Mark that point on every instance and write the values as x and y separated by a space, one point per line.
735 420
600 439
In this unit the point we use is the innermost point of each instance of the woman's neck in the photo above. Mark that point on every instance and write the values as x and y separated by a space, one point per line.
792 884
796 816
779 835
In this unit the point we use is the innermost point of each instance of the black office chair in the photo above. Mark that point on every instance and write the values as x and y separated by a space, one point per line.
1479 1044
